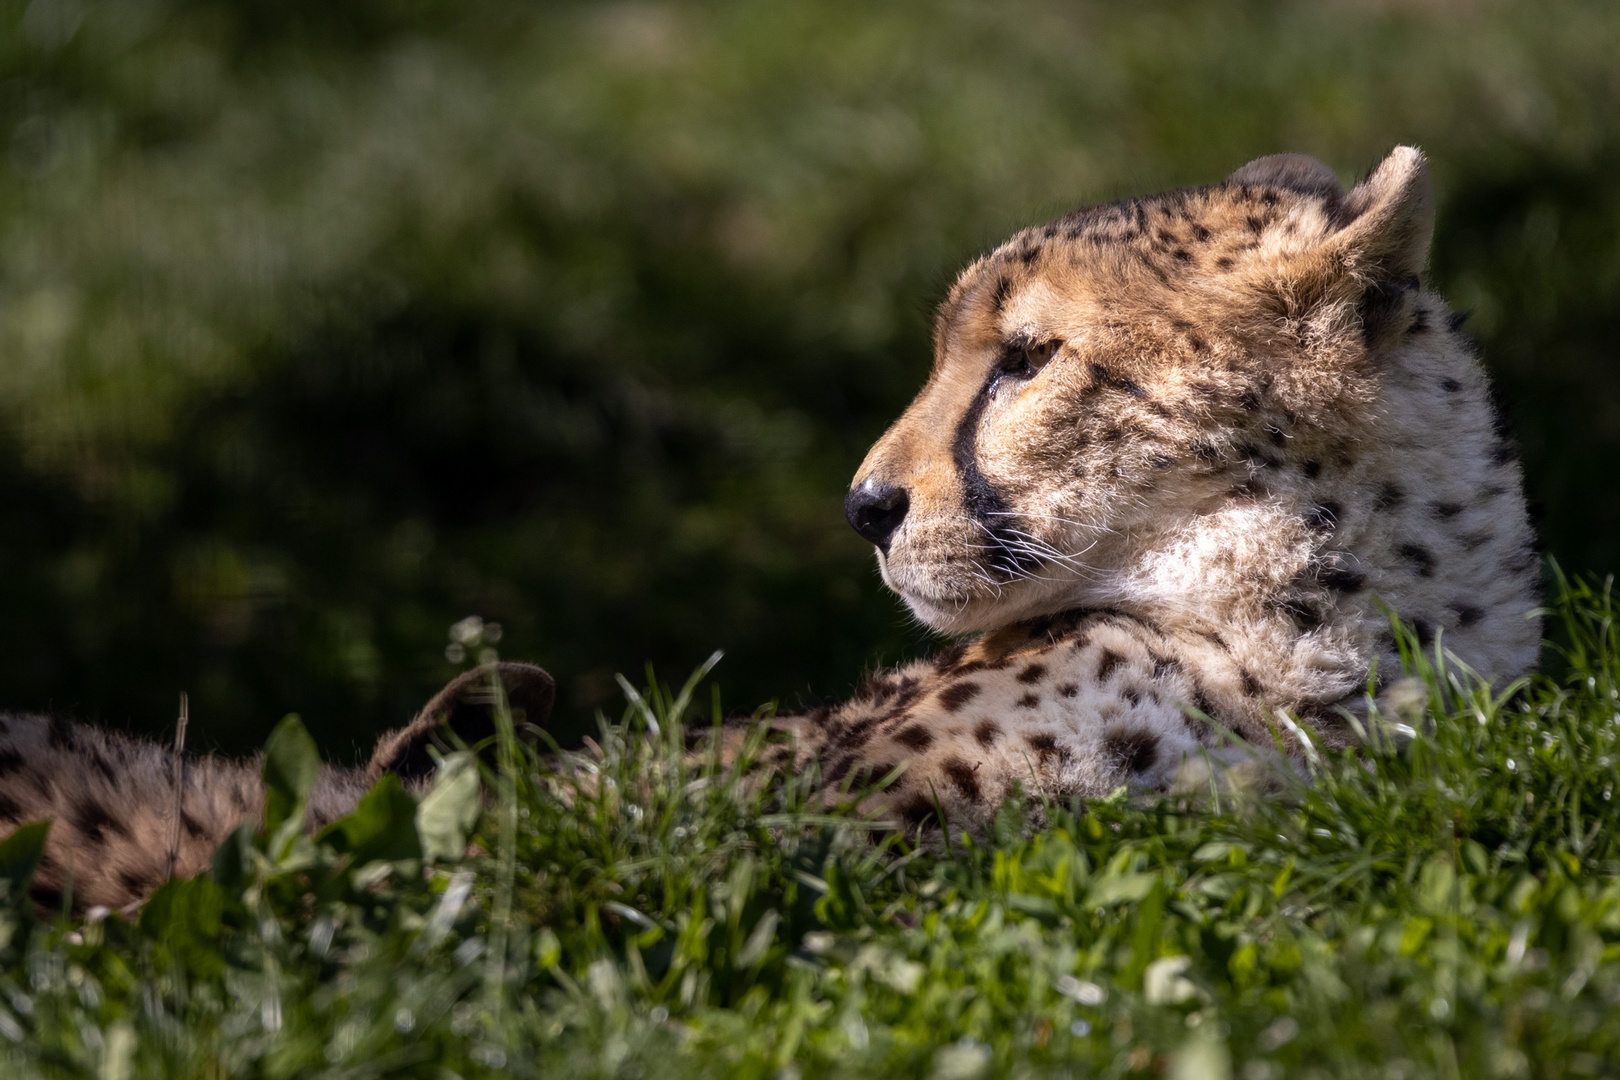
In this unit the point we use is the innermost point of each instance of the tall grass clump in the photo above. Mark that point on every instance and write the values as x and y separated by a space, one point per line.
1442 902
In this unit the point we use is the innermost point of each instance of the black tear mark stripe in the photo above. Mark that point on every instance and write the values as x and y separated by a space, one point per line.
979 496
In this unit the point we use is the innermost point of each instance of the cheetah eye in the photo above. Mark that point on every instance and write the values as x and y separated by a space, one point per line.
1025 359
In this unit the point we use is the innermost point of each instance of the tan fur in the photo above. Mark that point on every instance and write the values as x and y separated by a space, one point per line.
1170 452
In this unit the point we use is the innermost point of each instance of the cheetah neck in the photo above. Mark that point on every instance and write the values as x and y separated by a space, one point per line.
1303 556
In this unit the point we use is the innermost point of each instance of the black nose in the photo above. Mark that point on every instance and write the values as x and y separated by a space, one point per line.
876 509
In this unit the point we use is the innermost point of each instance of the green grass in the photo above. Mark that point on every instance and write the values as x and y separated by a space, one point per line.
1445 904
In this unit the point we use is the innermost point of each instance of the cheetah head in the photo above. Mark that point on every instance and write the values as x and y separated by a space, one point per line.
1102 381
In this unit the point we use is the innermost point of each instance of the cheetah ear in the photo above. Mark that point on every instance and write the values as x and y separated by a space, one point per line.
1295 172
1388 219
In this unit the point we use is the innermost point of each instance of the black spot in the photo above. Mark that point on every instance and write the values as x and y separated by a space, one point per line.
1249 401
1255 224
962 775
193 827
10 761
1029 701
998 299
1445 511
1475 541
956 695
1303 614
1524 560
1107 663
910 690
918 811
1420 323
1136 751
1068 690
878 688
1045 745
857 734
1455 320
1425 631
1419 557
1311 468
1032 673
1251 685
1389 496
60 734
915 737
1132 695
1324 515
987 732
1450 385
1502 453
1130 388
1200 234
1224 262
1182 255
1199 699
47 897
137 884
1258 458
949 658
1467 614
99 763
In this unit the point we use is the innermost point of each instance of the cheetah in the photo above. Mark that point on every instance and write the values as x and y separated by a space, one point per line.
1176 459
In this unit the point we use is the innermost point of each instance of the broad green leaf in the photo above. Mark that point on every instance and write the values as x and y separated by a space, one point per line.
232 861
19 858
1121 889
184 920
382 826
446 817
291 764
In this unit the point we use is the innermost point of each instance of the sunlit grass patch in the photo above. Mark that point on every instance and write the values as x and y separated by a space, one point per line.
1444 903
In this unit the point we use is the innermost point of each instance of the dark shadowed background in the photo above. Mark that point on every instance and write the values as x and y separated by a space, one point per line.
323 325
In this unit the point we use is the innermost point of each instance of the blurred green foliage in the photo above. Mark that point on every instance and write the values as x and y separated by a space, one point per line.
323 325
